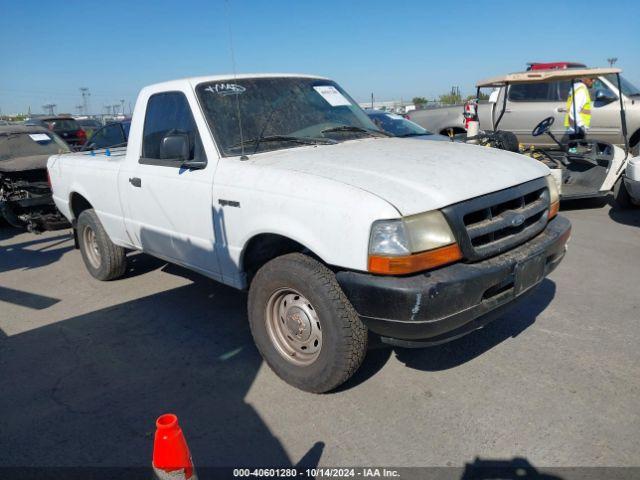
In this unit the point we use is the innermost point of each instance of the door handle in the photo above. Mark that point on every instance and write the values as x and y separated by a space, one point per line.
561 110
135 181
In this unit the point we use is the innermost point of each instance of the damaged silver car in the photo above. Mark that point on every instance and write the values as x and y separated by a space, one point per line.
25 193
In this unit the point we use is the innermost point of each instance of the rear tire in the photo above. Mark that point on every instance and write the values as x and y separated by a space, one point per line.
104 260
303 324
621 195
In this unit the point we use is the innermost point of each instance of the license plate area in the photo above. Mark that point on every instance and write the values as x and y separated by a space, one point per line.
528 273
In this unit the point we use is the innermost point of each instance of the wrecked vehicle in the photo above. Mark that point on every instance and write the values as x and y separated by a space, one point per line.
25 194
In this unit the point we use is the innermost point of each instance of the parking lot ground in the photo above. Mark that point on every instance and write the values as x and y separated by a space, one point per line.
86 367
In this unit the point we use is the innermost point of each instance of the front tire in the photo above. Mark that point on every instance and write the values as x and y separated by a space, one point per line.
621 195
303 324
104 260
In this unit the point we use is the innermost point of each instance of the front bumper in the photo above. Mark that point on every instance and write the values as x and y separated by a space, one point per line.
438 306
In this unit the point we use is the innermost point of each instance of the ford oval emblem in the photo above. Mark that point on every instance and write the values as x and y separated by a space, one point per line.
517 220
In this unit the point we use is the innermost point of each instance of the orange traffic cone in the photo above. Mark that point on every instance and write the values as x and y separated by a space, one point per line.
171 457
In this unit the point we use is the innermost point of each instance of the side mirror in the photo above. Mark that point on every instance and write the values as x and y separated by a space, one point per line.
175 146
605 97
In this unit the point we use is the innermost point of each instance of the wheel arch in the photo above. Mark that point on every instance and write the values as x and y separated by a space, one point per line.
456 130
263 247
77 204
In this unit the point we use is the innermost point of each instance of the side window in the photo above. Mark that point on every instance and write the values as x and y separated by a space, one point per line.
599 92
108 137
169 114
564 88
532 92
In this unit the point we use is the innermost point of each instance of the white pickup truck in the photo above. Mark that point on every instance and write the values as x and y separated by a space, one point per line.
280 184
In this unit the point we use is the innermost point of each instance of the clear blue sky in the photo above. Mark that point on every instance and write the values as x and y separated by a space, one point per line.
396 49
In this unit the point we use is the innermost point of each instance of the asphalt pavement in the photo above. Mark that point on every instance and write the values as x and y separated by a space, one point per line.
86 367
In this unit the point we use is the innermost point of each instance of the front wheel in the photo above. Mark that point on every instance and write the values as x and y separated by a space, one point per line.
103 259
621 195
303 324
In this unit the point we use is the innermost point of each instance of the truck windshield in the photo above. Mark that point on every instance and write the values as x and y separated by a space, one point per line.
288 111
628 88
14 145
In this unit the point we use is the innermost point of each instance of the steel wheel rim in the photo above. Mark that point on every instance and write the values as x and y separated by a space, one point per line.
293 327
91 247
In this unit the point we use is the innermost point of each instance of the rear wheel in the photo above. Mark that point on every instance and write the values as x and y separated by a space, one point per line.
303 324
621 195
103 259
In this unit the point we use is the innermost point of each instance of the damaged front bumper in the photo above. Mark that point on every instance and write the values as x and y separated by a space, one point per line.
441 305
29 205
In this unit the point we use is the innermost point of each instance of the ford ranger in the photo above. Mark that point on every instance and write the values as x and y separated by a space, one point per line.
281 185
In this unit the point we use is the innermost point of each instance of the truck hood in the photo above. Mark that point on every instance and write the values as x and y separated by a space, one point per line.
412 176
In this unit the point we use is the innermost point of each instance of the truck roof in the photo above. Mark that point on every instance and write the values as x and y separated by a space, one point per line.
535 76
226 77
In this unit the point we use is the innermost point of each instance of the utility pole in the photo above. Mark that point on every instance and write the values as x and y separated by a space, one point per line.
49 107
122 105
115 107
612 61
372 100
79 109
85 99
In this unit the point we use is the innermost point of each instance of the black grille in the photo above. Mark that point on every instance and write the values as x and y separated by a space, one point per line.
494 223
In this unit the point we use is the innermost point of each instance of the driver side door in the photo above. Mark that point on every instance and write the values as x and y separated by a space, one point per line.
605 117
170 212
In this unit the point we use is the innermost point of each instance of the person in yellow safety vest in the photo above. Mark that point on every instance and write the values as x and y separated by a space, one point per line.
579 101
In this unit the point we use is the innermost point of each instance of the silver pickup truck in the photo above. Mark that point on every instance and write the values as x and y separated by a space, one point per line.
528 104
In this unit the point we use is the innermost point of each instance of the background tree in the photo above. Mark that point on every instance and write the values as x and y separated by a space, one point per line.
451 98
419 101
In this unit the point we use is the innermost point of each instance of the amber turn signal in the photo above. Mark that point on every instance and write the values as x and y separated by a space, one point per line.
417 262
553 209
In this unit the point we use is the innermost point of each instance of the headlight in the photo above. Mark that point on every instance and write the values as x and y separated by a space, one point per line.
428 231
554 196
411 244
389 237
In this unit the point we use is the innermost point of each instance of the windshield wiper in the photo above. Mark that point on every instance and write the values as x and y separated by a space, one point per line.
285 138
352 128
414 134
